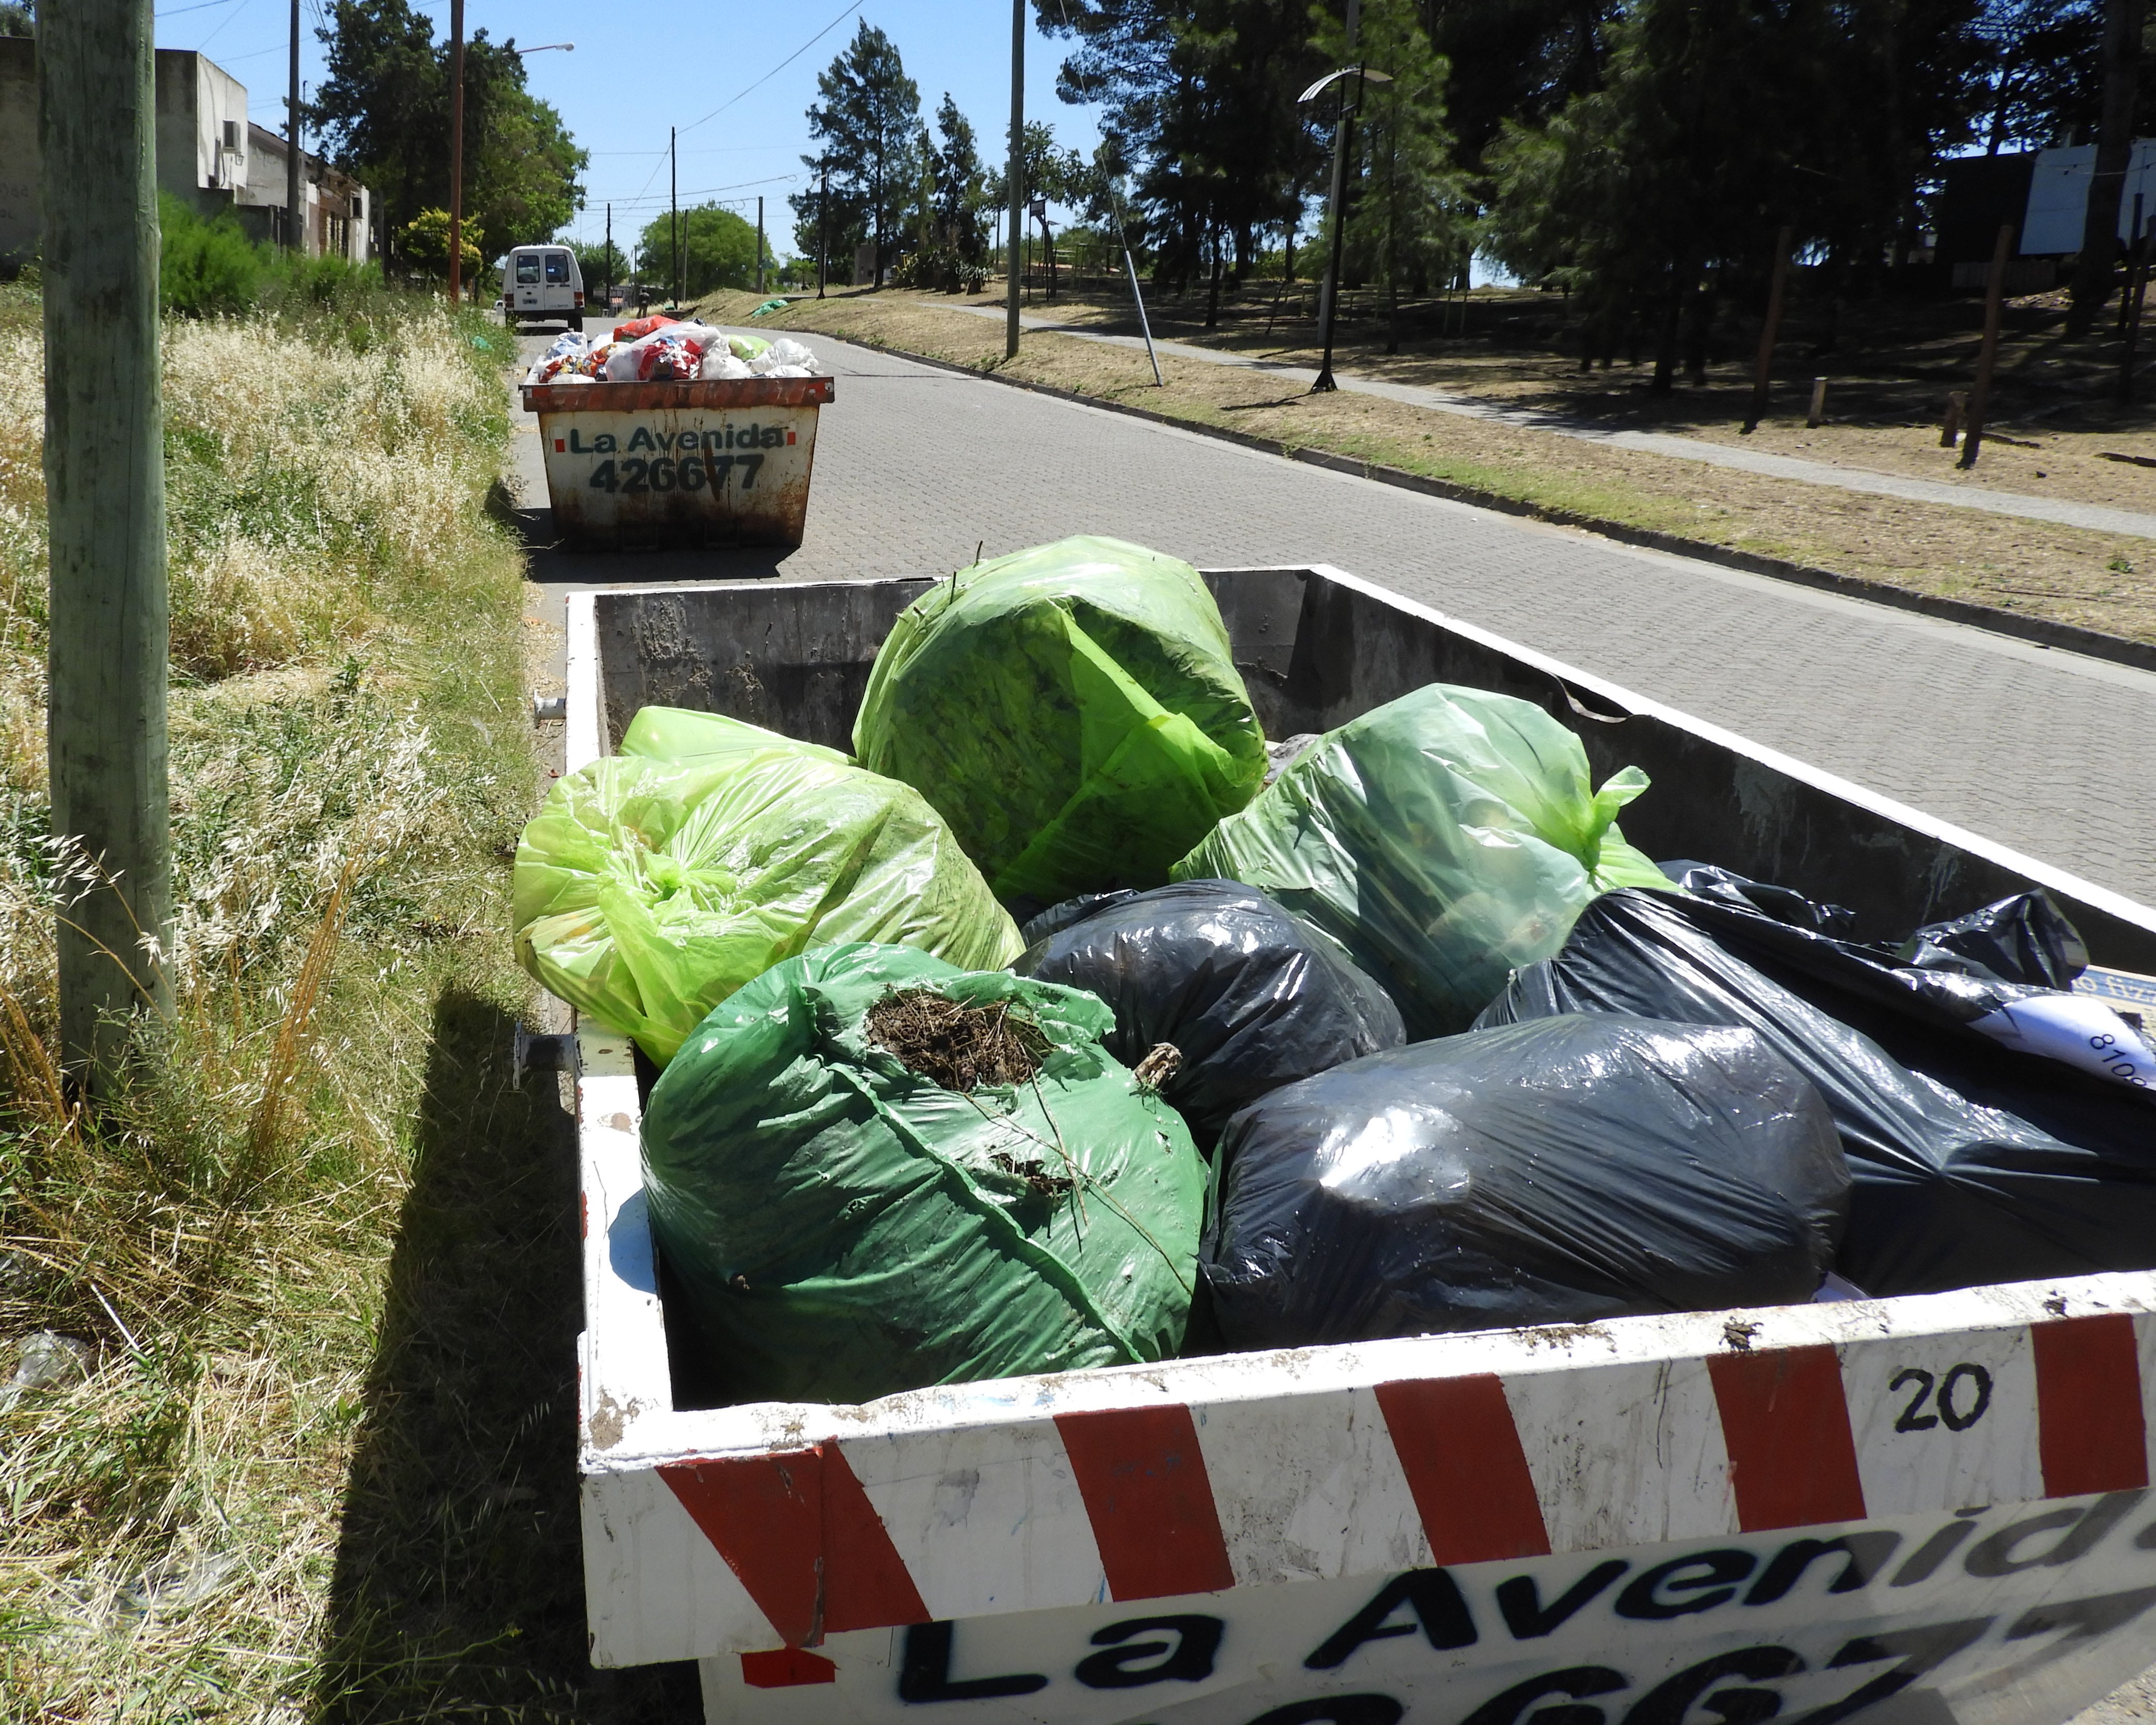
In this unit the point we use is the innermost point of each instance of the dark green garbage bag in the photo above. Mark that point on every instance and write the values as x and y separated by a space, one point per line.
1444 840
845 1227
1073 710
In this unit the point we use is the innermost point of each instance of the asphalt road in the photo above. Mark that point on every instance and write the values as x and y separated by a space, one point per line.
2043 750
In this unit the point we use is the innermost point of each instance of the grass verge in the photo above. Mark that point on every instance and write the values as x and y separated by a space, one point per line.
314 1263
2066 575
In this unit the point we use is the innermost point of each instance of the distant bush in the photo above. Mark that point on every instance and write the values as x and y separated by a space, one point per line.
939 268
208 268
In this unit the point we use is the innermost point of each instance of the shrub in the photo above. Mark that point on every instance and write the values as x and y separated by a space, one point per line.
208 268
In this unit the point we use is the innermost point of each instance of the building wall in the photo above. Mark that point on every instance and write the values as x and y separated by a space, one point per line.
196 99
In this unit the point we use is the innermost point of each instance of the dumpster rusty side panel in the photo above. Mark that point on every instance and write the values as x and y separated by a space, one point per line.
702 463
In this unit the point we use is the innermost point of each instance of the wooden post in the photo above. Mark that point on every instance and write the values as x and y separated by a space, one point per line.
1979 397
456 150
759 245
1762 371
1817 412
1950 427
105 491
295 207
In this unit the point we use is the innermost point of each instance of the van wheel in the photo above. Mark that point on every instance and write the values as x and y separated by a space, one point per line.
577 322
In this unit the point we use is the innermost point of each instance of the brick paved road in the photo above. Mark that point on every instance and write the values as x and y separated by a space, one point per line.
2045 751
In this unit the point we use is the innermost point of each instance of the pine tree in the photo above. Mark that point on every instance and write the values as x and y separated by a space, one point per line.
867 122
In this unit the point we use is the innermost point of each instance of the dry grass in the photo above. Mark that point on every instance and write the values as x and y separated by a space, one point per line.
313 1242
2095 580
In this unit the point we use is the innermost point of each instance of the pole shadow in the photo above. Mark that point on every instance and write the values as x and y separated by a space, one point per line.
458 1590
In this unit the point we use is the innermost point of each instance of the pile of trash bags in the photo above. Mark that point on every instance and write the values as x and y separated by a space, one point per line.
661 349
1382 1032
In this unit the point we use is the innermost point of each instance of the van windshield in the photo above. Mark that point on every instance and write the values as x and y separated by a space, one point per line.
557 266
527 270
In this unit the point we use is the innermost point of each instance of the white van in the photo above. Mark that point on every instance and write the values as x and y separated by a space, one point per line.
542 283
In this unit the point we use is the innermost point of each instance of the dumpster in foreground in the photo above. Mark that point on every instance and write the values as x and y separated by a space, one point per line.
666 464
1926 1509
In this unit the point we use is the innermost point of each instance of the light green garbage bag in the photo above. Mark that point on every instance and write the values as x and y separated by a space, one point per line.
646 892
844 1227
680 733
1073 710
1443 839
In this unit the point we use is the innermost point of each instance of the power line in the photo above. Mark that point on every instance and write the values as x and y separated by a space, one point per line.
781 66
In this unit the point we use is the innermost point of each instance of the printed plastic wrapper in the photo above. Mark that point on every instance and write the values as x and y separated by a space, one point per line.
1561 1172
1251 997
844 1228
1443 839
1073 710
638 327
1975 1161
647 891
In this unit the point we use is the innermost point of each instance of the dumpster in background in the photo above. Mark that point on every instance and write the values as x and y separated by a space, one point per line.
666 464
1931 1510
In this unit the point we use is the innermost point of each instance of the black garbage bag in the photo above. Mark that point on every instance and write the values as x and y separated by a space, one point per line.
1559 1172
2024 939
1250 995
1783 904
1974 1161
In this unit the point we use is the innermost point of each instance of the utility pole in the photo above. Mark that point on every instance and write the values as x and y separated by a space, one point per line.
609 307
823 223
105 490
759 245
674 208
294 234
1343 134
456 150
1015 176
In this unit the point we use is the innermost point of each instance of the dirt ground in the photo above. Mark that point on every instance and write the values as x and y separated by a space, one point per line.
1877 421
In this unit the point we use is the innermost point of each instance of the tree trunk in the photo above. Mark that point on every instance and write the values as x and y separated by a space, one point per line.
1700 323
1666 338
1213 293
2114 149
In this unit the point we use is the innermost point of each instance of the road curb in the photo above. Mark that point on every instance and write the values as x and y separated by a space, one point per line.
2039 631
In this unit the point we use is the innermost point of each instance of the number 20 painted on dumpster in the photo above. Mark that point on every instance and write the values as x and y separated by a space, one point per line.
634 476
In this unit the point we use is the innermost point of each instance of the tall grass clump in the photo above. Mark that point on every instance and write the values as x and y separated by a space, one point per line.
277 1480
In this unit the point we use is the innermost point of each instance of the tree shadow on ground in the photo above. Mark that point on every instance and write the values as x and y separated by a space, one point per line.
458 1587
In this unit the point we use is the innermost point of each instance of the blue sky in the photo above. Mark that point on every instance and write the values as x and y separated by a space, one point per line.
628 81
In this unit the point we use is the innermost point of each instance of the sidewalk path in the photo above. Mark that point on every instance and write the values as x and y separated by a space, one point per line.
2097 516
2043 750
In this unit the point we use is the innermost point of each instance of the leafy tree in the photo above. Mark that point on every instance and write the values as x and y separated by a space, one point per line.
961 195
600 263
2043 81
426 245
1409 227
384 112
867 123
1519 60
1201 98
718 249
1662 188
16 20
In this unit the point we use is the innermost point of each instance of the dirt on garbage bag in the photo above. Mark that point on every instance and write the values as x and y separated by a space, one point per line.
1250 996
1443 839
870 1171
1560 1172
647 891
1073 710
1975 1161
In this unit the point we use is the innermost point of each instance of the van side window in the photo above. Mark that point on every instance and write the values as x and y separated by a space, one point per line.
527 270
557 267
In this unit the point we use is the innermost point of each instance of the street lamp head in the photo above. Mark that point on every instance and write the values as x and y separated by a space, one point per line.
1368 74
566 48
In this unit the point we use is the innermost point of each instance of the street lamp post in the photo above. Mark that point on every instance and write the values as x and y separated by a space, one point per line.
1343 135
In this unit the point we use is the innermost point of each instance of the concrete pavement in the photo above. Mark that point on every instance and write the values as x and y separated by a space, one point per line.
2038 748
